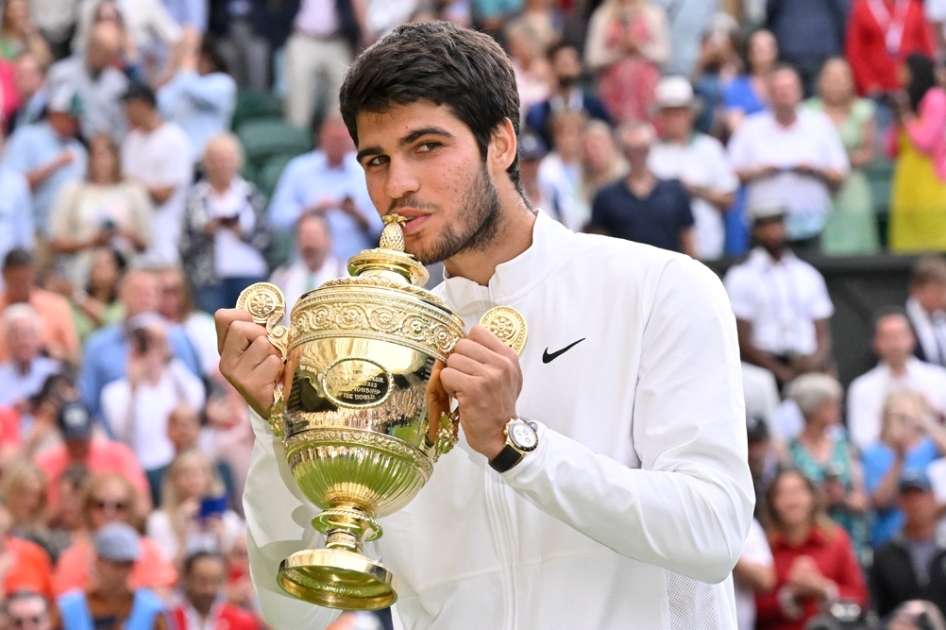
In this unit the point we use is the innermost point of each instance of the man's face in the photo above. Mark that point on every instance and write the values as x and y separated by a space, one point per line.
770 233
113 576
78 449
930 295
23 340
335 141
205 583
19 283
422 162
313 242
893 339
139 293
567 66
29 77
28 613
136 111
636 145
919 506
677 122
66 125
785 89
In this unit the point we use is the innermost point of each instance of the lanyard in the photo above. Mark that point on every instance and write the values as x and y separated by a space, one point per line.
891 23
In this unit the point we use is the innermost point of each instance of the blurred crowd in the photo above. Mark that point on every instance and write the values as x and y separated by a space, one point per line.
159 156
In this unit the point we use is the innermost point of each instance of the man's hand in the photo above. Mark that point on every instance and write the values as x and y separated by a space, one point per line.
483 374
247 359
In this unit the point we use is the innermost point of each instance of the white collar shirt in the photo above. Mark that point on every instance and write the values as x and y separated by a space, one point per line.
781 299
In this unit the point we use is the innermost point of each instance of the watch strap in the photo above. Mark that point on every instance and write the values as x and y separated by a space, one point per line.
507 458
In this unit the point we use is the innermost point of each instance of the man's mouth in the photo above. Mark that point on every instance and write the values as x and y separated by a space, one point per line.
414 223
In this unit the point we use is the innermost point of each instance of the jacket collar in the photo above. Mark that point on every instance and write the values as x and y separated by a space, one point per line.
514 278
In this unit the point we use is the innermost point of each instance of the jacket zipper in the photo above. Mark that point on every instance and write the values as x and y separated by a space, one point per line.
501 523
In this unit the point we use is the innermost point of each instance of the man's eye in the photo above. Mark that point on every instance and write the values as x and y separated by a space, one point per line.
377 161
428 147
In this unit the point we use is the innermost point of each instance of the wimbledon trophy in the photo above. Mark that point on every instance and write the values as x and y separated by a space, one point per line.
361 409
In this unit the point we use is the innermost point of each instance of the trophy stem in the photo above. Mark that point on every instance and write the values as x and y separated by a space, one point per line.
344 539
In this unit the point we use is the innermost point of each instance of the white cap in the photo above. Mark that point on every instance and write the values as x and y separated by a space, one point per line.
674 92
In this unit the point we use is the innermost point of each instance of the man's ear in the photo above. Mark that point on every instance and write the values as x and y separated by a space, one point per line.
503 147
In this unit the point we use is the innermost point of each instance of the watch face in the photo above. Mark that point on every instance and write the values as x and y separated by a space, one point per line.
522 435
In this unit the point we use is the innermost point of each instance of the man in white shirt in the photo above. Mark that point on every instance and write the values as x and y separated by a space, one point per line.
16 209
926 308
315 264
791 157
633 507
897 370
781 303
156 154
24 374
698 161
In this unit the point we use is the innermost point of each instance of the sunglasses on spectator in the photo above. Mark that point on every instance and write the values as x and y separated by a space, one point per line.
118 506
22 622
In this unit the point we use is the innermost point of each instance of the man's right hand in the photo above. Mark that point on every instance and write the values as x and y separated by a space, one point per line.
247 359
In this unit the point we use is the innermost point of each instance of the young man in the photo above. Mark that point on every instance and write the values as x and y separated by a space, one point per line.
633 508
204 606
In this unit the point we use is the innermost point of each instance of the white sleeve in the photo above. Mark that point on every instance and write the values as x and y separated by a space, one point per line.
742 296
688 508
116 408
169 167
820 306
278 524
191 388
860 426
756 549
724 176
740 148
833 152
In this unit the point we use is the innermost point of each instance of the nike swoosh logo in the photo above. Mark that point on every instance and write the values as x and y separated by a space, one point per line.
548 357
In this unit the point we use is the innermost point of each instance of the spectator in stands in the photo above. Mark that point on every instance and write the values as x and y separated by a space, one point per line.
92 75
136 407
40 421
602 162
201 96
18 34
176 304
129 60
897 369
808 33
109 499
27 610
749 94
916 615
190 14
918 143
763 458
490 15
151 156
913 564
318 53
642 207
851 227
243 31
225 231
791 157
204 604
560 172
881 35
16 209
761 392
108 601
544 18
628 42
781 303
25 565
717 66
9 97
23 487
48 153
106 351
329 181
58 336
534 77
102 210
24 373
698 161
193 515
96 304
31 85
814 561
824 455
567 94
911 439
315 264
65 522
531 152
230 433
926 308
687 21
754 573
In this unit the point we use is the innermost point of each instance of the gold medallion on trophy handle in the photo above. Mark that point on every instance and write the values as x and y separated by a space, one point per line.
508 324
267 306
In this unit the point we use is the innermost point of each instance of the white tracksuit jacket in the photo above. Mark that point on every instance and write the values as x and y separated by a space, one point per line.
633 509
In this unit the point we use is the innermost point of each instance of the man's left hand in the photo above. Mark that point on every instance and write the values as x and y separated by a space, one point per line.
483 374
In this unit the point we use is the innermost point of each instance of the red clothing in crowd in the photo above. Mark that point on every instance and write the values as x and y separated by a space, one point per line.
881 34
30 568
222 617
9 94
152 570
104 457
834 556
9 427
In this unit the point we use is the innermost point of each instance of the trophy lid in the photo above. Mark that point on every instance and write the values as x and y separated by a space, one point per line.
389 260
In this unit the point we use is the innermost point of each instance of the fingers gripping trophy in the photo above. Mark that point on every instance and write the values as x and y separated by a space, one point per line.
361 409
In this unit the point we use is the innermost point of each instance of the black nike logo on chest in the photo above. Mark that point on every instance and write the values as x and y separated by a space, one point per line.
548 357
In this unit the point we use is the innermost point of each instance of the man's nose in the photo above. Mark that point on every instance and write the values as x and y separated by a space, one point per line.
401 180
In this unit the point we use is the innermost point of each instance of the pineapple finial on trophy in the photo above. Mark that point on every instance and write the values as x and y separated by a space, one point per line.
393 235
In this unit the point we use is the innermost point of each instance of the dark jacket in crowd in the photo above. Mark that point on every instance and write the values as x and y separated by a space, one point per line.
894 581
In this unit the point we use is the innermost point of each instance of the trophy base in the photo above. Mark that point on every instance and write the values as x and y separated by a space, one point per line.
337 578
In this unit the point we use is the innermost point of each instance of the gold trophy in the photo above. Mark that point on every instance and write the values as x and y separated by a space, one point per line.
361 409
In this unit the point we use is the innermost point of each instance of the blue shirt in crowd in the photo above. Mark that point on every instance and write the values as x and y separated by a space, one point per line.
37 145
201 105
657 219
16 212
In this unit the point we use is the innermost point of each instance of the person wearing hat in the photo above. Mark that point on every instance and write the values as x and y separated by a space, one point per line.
781 302
108 603
698 161
48 154
157 154
913 564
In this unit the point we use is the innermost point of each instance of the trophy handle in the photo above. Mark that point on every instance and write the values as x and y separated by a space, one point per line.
266 304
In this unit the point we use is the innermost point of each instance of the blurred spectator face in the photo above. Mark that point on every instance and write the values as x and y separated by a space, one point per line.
16 16
29 76
770 234
313 241
827 414
105 45
566 64
598 148
931 295
139 292
6 522
107 12
28 613
103 160
25 493
138 112
205 582
784 90
19 281
183 428
109 501
23 340
919 507
112 577
104 272
636 142
335 141
677 122
792 500
893 339
836 81
762 51
171 288
66 125
222 159
192 477
758 454
903 412
566 135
